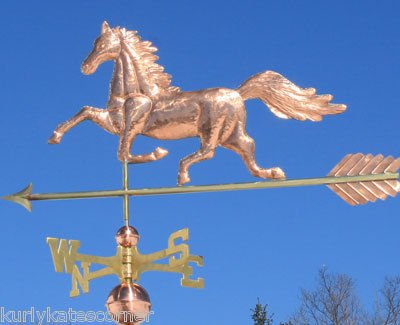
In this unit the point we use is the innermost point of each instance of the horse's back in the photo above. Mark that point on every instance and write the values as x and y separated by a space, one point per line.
184 114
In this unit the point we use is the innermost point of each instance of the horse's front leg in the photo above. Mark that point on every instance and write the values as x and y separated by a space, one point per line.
99 116
137 110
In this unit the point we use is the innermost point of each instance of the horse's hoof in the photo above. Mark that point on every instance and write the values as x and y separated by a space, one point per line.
160 153
274 173
183 179
277 173
55 139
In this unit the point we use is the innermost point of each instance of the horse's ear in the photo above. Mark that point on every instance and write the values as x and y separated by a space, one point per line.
105 27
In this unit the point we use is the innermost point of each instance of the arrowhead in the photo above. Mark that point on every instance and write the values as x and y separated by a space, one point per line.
22 197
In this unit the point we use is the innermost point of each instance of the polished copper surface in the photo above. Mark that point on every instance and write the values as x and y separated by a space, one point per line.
356 193
127 236
142 101
128 304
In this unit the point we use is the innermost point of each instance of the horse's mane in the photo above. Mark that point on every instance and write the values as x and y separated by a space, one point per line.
154 72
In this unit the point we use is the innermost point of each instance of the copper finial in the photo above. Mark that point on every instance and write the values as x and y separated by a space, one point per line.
128 304
127 236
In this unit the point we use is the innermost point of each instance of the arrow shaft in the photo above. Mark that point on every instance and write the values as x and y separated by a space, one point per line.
212 188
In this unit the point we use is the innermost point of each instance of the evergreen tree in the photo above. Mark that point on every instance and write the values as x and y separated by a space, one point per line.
260 314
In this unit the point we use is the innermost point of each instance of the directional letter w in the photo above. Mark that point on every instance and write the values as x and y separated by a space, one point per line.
63 253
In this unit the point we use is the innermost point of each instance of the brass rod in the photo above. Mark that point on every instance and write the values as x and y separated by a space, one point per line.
213 188
125 189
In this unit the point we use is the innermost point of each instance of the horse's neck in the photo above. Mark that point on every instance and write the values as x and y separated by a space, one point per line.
124 81
147 86
129 78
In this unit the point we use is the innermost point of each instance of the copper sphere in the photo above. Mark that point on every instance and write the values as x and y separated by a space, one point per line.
127 236
128 304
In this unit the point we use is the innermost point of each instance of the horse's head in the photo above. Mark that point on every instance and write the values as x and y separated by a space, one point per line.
106 47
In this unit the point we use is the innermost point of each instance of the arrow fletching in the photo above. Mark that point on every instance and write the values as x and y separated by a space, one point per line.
356 193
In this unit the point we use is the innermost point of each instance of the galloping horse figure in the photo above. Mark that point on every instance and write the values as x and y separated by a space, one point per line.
142 101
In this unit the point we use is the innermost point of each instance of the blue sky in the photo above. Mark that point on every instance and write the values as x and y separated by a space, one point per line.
266 243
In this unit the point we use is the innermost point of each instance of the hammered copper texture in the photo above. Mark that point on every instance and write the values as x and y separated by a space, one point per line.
142 101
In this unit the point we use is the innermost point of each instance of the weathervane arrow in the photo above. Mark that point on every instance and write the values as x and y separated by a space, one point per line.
357 179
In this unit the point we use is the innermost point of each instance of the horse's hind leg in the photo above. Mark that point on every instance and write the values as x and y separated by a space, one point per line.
99 116
241 143
206 151
209 141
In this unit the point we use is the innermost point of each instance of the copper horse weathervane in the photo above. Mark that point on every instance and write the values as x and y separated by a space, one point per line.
142 101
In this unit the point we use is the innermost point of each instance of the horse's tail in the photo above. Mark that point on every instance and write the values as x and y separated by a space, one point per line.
286 100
